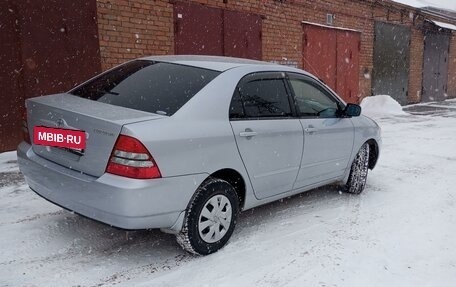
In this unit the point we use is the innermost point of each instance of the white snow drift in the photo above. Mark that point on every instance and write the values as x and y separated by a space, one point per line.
381 105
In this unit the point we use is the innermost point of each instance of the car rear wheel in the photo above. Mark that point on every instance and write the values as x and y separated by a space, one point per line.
358 172
210 218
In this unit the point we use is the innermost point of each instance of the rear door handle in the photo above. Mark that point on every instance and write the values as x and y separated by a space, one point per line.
247 134
310 130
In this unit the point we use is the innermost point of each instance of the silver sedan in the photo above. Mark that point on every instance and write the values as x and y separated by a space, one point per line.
184 143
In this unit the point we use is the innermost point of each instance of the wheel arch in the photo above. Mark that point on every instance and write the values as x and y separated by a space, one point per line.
373 152
234 178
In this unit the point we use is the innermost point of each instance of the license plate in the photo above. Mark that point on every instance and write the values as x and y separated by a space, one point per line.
56 137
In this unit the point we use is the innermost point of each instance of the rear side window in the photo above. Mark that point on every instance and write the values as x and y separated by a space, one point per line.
263 97
156 87
236 107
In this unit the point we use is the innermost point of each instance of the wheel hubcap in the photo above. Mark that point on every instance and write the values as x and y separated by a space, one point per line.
215 218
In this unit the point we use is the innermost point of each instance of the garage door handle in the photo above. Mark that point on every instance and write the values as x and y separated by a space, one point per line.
247 134
310 130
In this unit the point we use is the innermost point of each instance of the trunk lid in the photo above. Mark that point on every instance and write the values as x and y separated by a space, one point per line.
101 122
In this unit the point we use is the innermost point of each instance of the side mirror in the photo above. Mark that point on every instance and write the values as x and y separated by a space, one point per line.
352 110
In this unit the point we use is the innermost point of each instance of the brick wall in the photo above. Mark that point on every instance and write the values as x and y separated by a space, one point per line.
451 91
416 65
132 28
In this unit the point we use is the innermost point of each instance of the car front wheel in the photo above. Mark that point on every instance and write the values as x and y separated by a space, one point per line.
358 172
210 218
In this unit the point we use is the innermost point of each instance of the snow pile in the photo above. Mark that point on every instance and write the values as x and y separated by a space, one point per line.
381 105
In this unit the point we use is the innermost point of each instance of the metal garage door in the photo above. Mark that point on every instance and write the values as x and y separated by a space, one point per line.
348 45
11 93
435 66
391 61
242 35
319 53
56 48
60 48
333 56
198 30
202 30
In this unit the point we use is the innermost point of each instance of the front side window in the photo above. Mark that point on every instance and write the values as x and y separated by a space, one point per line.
148 86
261 97
312 100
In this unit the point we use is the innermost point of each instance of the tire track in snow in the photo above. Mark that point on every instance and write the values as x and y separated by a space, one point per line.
33 217
152 268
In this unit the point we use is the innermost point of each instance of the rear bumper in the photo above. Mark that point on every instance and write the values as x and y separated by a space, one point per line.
121 202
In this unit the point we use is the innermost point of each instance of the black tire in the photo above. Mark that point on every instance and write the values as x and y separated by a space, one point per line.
358 172
190 237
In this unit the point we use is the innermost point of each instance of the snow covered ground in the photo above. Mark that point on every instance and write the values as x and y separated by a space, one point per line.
400 232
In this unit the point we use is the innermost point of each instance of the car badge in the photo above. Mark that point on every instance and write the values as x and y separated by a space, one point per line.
61 123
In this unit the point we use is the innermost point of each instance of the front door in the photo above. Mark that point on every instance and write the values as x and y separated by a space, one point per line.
269 138
328 138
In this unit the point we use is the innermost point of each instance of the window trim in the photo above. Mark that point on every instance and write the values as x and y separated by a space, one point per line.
317 84
264 75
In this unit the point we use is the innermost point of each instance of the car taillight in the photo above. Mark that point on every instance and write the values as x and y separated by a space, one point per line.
25 131
130 158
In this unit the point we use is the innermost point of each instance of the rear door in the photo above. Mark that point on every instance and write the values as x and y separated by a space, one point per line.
328 138
269 138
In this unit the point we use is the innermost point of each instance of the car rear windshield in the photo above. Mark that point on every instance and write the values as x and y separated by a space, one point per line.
149 86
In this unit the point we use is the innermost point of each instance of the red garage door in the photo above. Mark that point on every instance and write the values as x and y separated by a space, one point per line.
45 47
198 30
348 65
319 53
333 56
242 33
11 88
202 30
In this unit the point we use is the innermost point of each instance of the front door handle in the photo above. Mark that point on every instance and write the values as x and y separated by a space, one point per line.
310 130
247 133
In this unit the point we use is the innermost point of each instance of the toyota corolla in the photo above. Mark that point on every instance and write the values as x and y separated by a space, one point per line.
185 143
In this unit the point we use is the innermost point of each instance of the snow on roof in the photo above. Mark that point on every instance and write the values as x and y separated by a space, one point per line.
442 4
443 25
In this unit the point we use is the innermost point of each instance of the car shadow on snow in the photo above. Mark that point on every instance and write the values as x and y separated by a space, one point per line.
94 238
283 212
132 253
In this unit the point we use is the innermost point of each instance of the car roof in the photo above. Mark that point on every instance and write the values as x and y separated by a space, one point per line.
216 63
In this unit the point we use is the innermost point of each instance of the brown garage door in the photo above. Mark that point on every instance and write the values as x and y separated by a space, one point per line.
50 46
242 35
333 56
202 30
11 92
